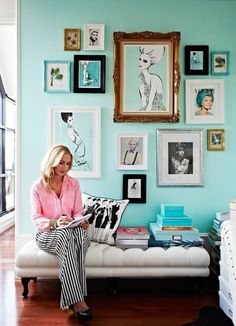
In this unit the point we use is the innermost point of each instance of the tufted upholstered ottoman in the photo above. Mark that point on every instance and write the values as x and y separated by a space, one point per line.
105 261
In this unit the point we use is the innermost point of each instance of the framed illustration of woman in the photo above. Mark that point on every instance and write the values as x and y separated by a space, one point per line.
146 77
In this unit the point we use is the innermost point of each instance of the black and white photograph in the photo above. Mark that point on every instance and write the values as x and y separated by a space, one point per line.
134 188
179 157
132 151
94 35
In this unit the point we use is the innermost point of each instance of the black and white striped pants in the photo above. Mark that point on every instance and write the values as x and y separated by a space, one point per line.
70 246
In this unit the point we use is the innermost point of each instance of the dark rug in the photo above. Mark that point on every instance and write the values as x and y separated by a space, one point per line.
211 316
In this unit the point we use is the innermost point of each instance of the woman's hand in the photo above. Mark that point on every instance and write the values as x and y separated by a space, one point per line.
64 220
84 225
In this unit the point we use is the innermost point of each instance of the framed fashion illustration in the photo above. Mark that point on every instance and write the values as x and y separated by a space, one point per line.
89 73
215 139
180 157
71 39
56 76
196 58
220 63
134 188
146 76
132 151
94 37
79 128
204 101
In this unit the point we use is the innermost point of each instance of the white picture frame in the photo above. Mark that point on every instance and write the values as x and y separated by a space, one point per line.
79 128
196 90
56 76
94 37
175 168
138 144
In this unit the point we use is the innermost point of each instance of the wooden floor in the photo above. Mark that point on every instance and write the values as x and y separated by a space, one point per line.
139 302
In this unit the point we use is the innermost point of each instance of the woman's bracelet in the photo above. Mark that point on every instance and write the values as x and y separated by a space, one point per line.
53 224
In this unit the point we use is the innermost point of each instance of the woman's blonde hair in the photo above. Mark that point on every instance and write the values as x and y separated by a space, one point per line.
51 159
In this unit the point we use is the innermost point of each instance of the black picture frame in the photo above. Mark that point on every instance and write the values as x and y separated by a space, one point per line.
138 194
196 59
89 73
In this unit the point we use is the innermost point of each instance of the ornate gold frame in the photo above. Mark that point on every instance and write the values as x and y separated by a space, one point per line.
121 40
219 145
72 39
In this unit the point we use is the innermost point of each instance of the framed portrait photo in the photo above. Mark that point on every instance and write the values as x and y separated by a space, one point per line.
180 157
134 188
78 128
146 76
56 76
89 73
94 37
215 139
71 39
220 63
196 59
132 151
204 101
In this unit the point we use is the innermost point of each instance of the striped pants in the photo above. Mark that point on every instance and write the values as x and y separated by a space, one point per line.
70 246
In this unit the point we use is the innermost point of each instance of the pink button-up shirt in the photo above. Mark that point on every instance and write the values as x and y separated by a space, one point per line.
47 205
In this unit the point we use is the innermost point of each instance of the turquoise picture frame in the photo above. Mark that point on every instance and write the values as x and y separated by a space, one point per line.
57 76
220 63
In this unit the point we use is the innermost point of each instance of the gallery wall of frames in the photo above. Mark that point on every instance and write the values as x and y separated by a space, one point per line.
142 108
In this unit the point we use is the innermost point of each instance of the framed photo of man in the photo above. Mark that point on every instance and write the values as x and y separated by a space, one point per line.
180 157
94 37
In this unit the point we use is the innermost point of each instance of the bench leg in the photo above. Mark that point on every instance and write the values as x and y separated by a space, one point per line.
113 285
25 282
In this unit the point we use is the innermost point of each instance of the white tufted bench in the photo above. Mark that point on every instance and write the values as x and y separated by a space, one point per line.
105 261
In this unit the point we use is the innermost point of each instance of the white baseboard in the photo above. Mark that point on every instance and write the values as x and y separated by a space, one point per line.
7 221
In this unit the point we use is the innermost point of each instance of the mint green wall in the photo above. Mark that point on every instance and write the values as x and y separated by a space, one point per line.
200 22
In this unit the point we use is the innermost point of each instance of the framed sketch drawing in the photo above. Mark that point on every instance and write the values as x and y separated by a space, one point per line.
94 37
220 63
79 129
204 101
89 73
196 59
146 76
71 39
180 157
215 139
134 188
56 76
132 151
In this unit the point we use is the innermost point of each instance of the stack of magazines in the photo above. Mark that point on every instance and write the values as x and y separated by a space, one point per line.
214 234
132 237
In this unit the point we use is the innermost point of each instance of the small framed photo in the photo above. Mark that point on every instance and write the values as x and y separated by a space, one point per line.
71 39
215 139
204 101
56 76
79 128
132 151
196 59
220 63
89 73
94 36
134 188
180 157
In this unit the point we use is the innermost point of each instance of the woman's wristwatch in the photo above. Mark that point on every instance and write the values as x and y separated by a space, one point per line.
53 224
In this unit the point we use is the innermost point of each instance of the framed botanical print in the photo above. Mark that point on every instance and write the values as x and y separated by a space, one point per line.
94 37
215 139
132 151
204 101
180 157
71 39
79 129
220 63
89 73
56 76
196 59
134 188
146 76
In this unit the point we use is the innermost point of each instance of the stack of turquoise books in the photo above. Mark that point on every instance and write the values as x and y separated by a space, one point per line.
173 225
214 234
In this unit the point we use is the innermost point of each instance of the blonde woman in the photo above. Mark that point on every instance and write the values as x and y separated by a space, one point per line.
56 200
